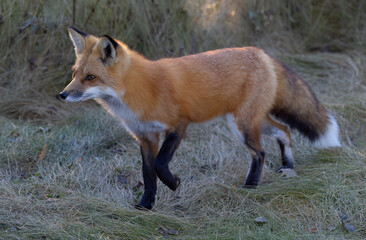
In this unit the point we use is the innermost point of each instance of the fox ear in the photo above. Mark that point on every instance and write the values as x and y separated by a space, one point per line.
78 38
108 47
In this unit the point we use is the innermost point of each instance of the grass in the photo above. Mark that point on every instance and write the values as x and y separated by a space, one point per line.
70 171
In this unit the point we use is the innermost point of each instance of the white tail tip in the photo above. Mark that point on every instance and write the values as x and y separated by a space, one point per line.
330 138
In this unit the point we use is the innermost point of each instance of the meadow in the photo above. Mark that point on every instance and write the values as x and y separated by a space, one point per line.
71 171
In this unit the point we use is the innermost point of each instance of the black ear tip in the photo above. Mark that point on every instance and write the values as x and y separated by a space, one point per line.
114 43
78 31
71 27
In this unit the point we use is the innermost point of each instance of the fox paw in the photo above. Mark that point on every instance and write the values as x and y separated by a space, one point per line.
177 179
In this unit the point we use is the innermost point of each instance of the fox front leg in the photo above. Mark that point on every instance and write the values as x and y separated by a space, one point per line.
170 144
149 146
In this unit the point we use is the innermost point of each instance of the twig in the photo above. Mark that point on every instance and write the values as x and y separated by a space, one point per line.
91 12
73 12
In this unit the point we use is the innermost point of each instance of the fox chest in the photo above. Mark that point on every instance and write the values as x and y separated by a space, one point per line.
129 118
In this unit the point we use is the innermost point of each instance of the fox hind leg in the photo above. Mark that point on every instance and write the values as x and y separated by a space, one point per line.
252 141
282 134
249 133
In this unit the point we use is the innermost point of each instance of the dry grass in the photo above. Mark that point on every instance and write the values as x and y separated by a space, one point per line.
36 53
73 190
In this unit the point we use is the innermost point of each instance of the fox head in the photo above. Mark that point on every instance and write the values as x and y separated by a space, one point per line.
100 62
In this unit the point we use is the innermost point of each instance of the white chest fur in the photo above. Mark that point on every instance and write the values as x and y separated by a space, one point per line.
115 106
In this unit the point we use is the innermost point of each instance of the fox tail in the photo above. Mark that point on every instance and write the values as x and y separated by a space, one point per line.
297 106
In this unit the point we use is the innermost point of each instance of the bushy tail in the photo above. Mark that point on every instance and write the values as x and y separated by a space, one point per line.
297 106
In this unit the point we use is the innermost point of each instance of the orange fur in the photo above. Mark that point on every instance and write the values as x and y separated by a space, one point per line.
199 87
244 82
194 88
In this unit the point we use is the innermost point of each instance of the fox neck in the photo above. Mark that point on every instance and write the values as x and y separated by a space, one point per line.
140 87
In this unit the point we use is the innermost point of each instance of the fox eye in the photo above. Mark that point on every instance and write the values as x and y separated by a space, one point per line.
73 75
90 77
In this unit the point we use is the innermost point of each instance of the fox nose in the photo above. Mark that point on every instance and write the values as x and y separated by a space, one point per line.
64 94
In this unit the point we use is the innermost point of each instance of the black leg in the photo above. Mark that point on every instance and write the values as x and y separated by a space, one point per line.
287 160
149 148
252 140
170 144
282 134
255 171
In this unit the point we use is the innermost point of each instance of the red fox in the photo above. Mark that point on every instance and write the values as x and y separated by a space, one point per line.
150 97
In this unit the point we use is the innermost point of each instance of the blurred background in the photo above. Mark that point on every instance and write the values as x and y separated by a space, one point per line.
36 53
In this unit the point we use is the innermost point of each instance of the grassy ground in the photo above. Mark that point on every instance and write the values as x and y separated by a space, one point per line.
69 171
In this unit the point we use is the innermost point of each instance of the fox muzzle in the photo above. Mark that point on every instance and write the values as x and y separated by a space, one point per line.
64 94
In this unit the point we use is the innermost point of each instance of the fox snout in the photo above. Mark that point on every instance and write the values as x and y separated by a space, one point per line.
71 95
64 94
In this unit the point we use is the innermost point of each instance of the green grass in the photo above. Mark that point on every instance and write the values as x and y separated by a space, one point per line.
60 163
